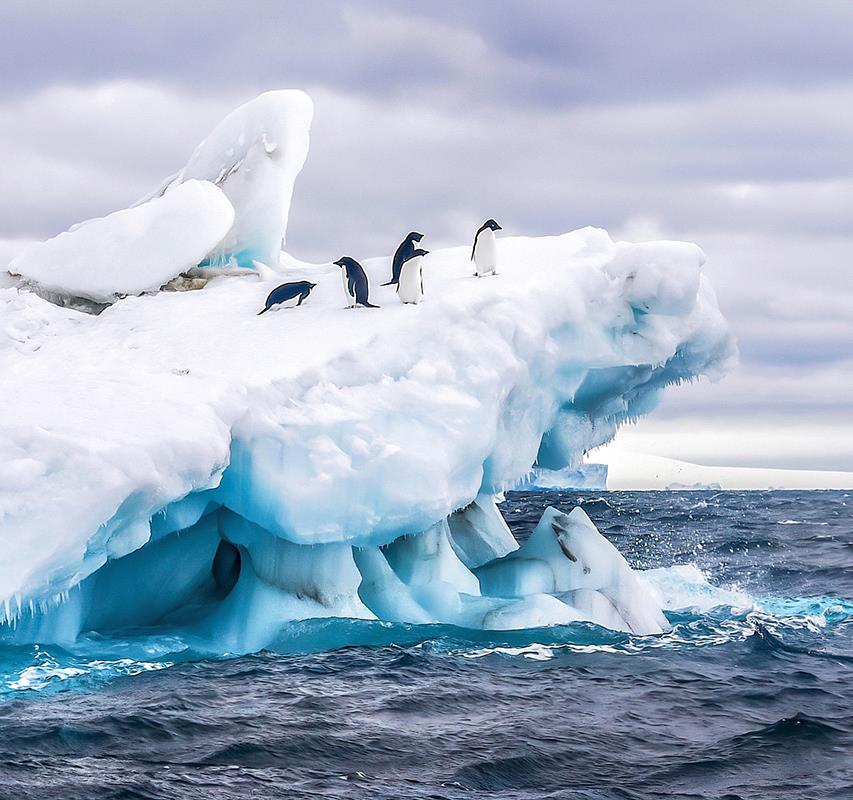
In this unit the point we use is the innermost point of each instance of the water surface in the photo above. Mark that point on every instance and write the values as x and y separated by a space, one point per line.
749 695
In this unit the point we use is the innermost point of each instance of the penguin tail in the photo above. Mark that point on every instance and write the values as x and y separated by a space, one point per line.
264 311
390 283
369 305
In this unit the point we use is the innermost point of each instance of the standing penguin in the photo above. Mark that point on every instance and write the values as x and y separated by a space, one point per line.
356 286
484 253
410 288
287 295
404 252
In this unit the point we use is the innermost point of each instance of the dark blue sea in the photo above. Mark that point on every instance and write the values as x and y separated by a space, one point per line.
749 696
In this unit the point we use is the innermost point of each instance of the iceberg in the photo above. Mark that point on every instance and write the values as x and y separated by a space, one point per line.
629 470
179 463
585 476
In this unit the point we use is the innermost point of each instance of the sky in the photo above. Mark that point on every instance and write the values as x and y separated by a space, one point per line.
728 123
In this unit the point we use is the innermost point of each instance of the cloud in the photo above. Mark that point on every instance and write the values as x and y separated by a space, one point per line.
73 152
527 53
719 123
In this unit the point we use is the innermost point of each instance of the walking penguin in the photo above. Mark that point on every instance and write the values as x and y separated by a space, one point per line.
356 286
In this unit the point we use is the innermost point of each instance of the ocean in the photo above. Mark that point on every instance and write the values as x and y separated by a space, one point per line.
750 695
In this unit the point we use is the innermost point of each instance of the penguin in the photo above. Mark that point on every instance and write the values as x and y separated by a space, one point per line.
410 288
403 253
356 286
484 253
291 294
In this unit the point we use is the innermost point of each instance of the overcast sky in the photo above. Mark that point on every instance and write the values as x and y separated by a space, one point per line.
727 124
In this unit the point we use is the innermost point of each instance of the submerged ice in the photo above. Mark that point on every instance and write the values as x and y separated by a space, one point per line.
180 463
227 585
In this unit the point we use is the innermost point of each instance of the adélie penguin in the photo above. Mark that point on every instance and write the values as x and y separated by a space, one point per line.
404 252
484 253
410 288
356 285
288 295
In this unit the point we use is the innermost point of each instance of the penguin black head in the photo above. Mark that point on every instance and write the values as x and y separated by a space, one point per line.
345 261
490 223
415 236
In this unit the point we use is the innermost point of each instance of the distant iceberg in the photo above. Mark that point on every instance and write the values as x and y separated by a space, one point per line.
643 471
584 476
180 462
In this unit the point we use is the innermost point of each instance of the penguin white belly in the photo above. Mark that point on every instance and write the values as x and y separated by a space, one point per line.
486 253
350 296
410 287
290 303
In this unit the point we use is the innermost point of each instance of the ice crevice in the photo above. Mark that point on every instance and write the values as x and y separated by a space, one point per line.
179 463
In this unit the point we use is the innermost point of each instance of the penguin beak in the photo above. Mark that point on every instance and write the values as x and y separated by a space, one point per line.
498 227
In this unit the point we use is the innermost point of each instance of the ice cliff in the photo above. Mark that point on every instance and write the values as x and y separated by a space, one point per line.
178 461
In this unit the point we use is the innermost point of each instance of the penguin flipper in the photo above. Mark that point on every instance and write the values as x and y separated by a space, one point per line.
263 311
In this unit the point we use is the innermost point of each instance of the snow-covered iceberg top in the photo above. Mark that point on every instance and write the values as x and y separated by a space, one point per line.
321 425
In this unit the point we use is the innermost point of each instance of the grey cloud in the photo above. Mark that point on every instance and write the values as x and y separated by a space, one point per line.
541 53
724 123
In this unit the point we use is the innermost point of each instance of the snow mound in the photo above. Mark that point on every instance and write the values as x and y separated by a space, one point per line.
254 156
131 251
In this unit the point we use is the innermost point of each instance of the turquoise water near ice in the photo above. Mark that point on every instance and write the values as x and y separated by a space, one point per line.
748 696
